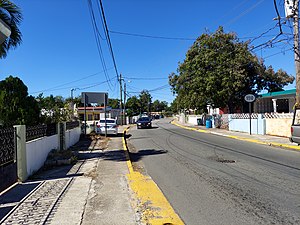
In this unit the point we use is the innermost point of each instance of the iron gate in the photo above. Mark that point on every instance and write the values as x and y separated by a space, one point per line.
8 156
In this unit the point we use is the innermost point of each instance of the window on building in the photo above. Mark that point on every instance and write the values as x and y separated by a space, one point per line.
97 117
81 117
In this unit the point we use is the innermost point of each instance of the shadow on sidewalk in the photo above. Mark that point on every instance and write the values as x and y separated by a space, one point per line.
85 149
9 199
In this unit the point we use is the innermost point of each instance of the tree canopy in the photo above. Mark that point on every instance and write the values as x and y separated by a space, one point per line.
133 106
143 103
219 70
114 103
16 107
12 16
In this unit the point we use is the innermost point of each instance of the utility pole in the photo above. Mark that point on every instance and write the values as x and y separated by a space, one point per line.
296 50
121 108
124 102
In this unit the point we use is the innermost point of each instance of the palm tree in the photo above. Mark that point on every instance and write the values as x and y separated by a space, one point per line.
12 16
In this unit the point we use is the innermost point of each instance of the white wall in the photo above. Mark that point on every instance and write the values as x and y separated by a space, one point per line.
72 136
192 119
37 151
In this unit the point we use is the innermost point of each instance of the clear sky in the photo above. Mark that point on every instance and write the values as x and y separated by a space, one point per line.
59 49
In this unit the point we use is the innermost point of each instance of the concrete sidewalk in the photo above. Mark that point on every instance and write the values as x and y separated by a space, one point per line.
270 140
93 191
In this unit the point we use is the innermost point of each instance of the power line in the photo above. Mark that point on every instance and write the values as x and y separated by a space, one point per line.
152 90
152 36
282 52
61 85
98 42
145 78
108 37
244 13
65 88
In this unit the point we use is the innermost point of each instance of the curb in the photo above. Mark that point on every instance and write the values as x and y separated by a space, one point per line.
125 148
274 144
151 202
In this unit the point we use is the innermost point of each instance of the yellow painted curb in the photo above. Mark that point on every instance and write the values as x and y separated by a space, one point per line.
152 204
189 128
129 165
242 139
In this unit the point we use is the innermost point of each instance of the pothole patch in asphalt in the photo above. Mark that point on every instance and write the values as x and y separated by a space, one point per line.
222 160
226 161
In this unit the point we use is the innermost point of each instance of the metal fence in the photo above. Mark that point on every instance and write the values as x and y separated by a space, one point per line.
42 130
71 125
7 146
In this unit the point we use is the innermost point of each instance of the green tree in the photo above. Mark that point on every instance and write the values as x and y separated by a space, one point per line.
159 106
220 70
145 101
275 81
133 106
11 15
16 107
54 109
174 106
114 103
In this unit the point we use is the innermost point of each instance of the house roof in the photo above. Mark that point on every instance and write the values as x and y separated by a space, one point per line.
279 93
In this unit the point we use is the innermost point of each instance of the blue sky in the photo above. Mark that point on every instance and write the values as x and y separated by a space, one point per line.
59 50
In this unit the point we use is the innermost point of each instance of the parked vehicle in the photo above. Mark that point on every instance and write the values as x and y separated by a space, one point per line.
295 128
144 122
111 126
88 128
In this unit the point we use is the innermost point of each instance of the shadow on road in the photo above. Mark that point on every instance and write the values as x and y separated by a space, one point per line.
135 157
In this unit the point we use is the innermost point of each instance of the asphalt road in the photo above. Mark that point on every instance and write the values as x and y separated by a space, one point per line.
213 180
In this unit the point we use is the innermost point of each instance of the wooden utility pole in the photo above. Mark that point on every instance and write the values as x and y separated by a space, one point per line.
125 103
121 108
296 50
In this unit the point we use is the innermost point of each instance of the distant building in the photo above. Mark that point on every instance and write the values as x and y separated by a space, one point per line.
277 102
94 113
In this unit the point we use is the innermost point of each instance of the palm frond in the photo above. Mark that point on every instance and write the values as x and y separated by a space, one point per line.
12 16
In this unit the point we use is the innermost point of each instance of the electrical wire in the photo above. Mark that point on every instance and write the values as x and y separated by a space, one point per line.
145 78
87 86
61 85
108 38
152 36
98 41
243 13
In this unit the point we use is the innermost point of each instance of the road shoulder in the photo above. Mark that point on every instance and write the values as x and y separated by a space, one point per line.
150 201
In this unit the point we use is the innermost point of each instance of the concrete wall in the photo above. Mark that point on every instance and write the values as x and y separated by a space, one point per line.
37 151
72 137
279 126
258 126
192 119
32 155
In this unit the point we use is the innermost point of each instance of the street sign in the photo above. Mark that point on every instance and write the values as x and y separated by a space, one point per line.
249 98
94 97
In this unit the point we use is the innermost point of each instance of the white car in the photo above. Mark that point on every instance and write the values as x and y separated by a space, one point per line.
111 126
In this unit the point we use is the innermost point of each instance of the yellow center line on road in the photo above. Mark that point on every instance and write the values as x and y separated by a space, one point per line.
152 203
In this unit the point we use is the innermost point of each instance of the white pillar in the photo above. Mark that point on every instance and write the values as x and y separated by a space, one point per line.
274 105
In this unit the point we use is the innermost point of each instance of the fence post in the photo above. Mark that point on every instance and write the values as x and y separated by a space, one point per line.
61 131
229 122
21 152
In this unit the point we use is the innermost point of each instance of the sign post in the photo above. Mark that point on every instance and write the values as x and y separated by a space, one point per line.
249 98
